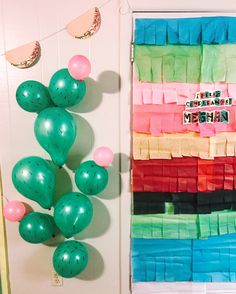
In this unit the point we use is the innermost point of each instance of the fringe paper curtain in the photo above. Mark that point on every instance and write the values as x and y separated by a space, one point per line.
169 118
210 260
176 93
190 144
186 64
185 31
183 226
183 203
184 175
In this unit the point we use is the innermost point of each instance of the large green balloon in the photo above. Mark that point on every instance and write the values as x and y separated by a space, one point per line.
34 178
33 96
55 131
37 227
91 178
64 90
73 212
70 259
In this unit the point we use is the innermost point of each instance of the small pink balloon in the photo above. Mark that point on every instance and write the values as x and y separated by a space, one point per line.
79 67
14 211
103 156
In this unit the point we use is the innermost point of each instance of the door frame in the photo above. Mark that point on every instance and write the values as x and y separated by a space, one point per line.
127 10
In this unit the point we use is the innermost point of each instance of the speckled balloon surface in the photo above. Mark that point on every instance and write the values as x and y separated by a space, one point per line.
91 178
64 90
73 213
70 259
34 178
37 227
55 131
33 96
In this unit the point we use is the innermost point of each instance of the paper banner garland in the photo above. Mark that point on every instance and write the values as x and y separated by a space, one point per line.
183 150
24 56
85 25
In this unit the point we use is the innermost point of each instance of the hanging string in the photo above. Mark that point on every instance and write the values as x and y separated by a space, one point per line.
52 34
127 9
104 4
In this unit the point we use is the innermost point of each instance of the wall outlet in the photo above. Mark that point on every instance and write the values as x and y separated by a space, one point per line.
56 280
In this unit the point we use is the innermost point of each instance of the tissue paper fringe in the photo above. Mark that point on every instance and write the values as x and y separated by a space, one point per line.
190 144
184 175
185 64
185 31
177 93
183 226
168 118
211 260
183 203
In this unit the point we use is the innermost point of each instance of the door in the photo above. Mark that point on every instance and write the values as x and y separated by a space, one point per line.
142 286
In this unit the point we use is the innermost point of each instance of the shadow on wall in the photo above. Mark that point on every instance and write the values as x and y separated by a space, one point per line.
83 144
92 98
55 241
63 184
112 191
100 222
125 160
108 82
95 267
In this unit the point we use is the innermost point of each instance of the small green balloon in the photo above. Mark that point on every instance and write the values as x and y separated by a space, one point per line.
55 130
73 213
70 259
37 227
91 178
64 90
33 96
34 178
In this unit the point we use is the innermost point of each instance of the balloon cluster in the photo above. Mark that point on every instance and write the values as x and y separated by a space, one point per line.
35 178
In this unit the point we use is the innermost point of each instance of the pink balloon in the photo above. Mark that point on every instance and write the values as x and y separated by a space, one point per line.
103 156
79 67
14 211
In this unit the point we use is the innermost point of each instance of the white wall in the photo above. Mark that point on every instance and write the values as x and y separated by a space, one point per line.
97 117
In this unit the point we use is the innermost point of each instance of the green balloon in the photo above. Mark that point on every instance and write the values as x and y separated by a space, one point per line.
33 96
91 178
64 90
37 227
73 213
55 131
34 178
70 259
